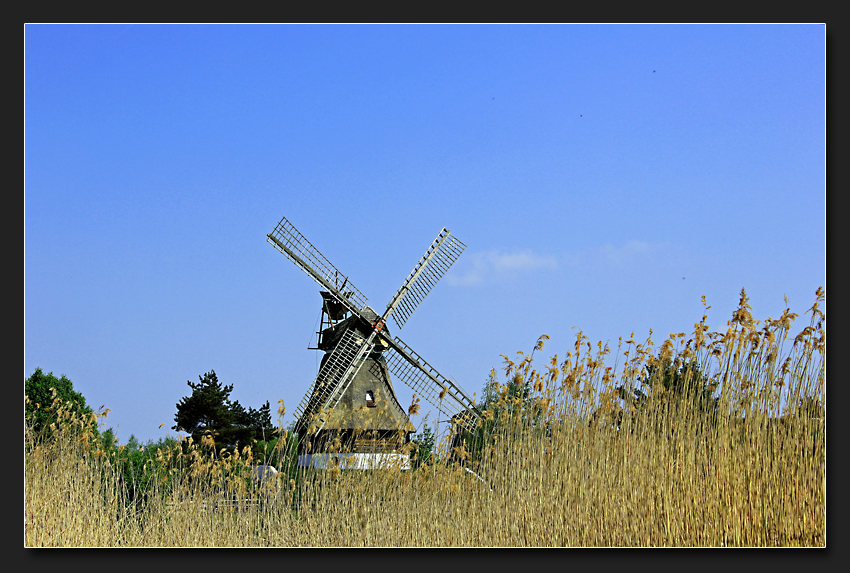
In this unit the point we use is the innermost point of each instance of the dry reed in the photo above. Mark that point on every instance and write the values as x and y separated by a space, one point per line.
593 455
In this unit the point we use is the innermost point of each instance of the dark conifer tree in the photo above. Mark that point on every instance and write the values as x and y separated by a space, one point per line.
209 408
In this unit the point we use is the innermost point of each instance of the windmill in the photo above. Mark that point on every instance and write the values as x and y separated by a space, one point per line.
350 414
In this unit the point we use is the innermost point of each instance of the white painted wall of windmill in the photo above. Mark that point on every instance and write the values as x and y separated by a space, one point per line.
354 461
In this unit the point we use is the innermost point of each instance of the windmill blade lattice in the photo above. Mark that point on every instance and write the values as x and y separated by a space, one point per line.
300 251
358 340
442 253
410 368
335 375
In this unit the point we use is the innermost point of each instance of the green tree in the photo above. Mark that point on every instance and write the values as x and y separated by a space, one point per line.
424 443
680 382
668 383
498 403
143 468
40 411
490 391
209 408
251 424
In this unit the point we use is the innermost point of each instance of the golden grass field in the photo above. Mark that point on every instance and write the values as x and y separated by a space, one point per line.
581 461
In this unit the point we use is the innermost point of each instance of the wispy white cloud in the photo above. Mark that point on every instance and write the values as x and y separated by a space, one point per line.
625 256
485 265
631 251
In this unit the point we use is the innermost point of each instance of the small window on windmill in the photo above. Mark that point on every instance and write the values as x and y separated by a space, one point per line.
370 399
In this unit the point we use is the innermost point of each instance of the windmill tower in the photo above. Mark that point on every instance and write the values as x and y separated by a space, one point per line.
350 415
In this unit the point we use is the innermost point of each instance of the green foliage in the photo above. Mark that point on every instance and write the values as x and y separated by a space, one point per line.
209 409
684 381
277 452
141 466
503 406
264 451
424 445
672 381
490 392
285 454
666 386
108 439
41 406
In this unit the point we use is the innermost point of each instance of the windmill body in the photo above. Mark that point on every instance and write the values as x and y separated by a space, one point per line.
368 424
351 416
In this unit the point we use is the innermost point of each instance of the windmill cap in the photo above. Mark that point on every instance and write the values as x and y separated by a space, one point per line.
369 314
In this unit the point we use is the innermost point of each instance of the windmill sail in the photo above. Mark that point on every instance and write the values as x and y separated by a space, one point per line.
300 251
410 368
337 371
442 253
353 341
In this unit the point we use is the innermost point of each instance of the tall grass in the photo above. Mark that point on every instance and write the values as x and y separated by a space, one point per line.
594 454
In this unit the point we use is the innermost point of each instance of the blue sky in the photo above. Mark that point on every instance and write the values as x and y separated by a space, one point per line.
604 177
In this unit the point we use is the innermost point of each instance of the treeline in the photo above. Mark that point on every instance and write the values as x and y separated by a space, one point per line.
219 427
